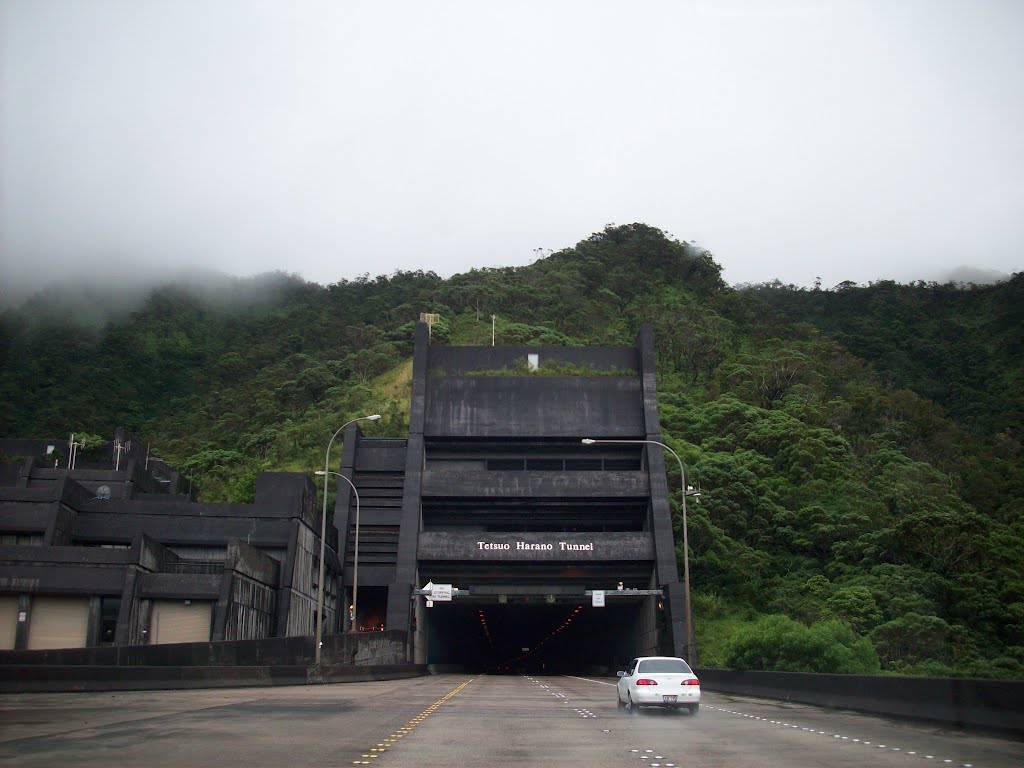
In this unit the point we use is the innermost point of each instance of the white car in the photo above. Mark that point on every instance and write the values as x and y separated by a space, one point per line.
658 681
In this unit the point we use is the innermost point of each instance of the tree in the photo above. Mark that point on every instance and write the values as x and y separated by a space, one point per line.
690 337
780 644
855 607
911 639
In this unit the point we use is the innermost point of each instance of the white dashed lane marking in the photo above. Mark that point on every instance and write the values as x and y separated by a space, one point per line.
558 695
839 736
655 760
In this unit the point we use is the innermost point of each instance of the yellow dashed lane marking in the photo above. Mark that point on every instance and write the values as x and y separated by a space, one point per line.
375 752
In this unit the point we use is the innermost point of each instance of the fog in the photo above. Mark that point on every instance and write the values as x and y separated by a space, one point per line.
841 140
90 303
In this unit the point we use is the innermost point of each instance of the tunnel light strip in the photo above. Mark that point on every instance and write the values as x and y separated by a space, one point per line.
483 623
561 627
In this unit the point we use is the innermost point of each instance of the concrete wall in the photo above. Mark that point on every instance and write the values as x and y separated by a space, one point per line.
580 547
246 605
533 406
63 570
672 640
302 593
55 678
350 648
31 447
458 361
399 611
380 454
276 661
497 484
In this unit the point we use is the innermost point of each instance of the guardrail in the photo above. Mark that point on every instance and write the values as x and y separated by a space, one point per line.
961 702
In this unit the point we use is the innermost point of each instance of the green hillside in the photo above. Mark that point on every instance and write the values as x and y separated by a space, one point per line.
960 346
846 522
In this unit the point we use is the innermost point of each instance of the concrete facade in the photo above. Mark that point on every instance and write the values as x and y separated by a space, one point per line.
501 498
101 556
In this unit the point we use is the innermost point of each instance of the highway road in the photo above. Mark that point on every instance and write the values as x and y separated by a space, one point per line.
464 721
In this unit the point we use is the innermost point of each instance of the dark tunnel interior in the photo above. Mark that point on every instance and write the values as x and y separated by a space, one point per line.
530 635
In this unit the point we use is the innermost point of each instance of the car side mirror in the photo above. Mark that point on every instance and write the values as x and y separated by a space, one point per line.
620 673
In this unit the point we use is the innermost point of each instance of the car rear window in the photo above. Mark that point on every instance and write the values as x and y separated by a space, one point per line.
664 665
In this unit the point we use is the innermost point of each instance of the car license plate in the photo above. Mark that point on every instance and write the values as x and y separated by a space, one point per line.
668 699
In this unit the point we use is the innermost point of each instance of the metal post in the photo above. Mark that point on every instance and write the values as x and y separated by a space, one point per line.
355 557
323 536
686 543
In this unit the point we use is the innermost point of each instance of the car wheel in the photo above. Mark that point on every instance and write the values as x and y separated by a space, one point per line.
619 702
694 708
633 708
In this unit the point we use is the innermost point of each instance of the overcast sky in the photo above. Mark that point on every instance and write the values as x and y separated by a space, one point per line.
851 140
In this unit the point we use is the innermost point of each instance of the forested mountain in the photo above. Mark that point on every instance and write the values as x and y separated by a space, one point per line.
858 450
958 345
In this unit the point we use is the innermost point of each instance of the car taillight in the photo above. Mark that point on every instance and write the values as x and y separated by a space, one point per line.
646 681
691 682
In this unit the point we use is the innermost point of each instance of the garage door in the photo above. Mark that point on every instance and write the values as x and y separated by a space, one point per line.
58 622
8 621
177 621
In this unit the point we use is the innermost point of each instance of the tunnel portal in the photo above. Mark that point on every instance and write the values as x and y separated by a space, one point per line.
533 634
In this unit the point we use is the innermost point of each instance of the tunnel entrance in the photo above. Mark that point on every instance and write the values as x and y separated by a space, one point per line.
534 635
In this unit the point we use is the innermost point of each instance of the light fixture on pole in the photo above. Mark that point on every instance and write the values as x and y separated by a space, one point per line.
355 557
323 536
686 543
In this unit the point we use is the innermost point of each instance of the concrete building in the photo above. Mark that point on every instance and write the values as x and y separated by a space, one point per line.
96 556
492 492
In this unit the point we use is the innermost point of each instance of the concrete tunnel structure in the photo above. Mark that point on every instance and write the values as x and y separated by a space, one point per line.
494 493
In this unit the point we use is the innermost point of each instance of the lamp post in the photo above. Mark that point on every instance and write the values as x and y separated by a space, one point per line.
686 543
355 557
323 536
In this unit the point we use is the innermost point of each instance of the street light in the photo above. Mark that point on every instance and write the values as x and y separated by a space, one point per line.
323 536
355 558
686 543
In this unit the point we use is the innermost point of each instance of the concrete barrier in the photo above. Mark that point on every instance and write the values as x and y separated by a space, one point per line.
56 678
967 703
359 648
350 657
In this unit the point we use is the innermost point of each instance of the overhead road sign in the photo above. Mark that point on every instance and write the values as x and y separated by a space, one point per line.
443 593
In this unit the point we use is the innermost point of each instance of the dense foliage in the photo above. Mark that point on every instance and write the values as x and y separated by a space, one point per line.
858 450
781 643
958 345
